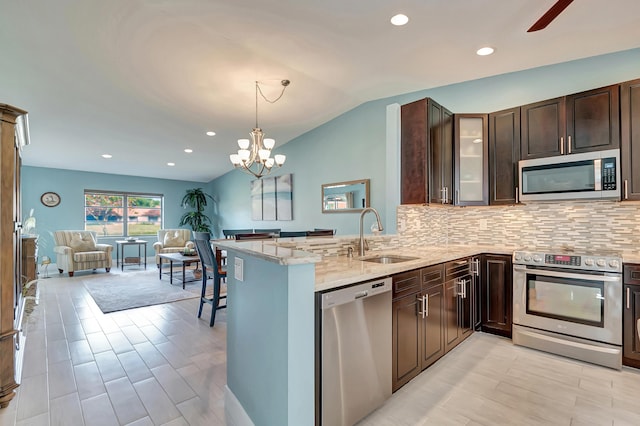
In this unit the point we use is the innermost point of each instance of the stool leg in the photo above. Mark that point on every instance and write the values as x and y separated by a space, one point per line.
204 290
216 300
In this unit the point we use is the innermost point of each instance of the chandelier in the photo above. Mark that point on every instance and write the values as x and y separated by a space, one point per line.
254 155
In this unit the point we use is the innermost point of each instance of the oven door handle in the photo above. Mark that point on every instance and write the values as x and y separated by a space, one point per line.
586 277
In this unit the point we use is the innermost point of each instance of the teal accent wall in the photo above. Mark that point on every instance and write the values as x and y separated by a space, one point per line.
355 144
270 340
70 185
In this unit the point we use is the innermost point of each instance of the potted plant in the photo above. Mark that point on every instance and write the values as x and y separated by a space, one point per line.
196 199
199 222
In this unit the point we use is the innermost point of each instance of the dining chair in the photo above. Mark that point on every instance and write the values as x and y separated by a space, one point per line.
231 233
254 236
210 264
320 233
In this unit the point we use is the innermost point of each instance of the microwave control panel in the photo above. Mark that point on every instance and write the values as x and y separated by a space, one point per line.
609 174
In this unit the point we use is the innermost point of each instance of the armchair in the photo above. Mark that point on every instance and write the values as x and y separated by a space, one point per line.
172 241
78 250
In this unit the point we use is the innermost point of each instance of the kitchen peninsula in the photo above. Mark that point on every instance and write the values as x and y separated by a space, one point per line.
271 321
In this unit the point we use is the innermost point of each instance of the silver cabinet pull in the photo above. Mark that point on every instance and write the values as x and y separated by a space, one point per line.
443 195
425 303
626 193
421 308
569 144
457 201
477 268
517 194
464 289
561 145
628 297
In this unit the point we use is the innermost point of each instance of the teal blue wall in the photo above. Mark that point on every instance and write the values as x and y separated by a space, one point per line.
70 185
352 145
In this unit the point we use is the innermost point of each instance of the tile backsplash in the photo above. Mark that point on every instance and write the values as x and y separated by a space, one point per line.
594 225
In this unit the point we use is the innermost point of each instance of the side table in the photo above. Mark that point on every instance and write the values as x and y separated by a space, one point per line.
120 259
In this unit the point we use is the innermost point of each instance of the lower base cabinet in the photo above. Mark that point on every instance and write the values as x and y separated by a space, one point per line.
458 324
496 282
417 316
631 316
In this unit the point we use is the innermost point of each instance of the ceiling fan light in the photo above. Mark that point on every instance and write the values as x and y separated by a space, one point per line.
484 51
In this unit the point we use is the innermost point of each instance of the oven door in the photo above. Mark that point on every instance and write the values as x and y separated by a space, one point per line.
574 303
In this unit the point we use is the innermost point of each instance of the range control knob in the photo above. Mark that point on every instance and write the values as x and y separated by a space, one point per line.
614 264
518 256
537 258
588 262
601 262
527 258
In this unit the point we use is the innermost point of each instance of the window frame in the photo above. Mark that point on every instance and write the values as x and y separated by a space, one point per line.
125 214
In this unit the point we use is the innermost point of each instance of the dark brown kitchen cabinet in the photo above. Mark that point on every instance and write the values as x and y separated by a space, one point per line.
630 139
417 322
631 316
582 122
426 153
496 294
471 164
458 323
504 154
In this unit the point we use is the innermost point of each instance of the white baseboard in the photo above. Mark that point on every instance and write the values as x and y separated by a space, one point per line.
234 412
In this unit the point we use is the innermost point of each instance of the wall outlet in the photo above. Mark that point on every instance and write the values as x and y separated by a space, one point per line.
238 269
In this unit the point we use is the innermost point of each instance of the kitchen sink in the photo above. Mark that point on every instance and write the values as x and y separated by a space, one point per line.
388 259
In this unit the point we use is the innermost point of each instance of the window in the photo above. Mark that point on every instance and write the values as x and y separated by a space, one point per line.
122 214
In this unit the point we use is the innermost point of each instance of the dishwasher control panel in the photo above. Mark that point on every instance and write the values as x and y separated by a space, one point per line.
355 292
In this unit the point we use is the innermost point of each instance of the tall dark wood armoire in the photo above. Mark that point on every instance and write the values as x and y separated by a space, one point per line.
13 134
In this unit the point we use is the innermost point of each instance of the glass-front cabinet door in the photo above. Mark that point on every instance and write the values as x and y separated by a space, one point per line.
471 160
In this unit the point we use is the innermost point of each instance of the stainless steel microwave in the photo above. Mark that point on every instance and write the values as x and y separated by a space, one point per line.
590 175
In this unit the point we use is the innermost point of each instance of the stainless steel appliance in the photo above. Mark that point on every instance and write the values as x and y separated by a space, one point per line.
568 177
569 304
356 351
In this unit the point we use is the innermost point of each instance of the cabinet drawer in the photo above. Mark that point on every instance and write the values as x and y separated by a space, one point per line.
406 283
433 275
631 273
457 268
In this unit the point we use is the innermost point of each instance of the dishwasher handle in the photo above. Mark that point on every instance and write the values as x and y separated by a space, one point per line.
355 292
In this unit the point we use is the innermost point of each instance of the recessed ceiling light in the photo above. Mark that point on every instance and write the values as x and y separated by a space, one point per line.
399 19
484 51
188 150
210 133
107 155
171 164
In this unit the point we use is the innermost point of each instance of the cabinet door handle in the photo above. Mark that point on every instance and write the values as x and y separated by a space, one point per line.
626 194
561 145
442 195
464 289
457 201
628 297
517 194
477 268
425 304
569 143
446 195
420 300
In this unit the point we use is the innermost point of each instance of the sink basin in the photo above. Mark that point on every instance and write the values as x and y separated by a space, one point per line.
388 259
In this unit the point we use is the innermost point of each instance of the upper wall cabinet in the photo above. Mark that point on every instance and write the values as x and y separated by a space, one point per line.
504 154
426 153
630 138
583 122
471 167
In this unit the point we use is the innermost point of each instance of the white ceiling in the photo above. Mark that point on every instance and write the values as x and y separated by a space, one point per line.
144 79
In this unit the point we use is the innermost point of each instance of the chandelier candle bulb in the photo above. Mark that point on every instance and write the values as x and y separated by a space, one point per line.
243 143
269 143
280 159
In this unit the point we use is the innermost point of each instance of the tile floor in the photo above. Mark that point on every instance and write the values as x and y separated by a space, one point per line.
160 365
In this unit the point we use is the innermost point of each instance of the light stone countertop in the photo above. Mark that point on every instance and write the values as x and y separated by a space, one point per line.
270 251
337 271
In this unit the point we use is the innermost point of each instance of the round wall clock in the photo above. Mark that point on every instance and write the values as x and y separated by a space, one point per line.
50 199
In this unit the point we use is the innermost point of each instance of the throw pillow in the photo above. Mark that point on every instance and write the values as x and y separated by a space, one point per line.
173 239
81 242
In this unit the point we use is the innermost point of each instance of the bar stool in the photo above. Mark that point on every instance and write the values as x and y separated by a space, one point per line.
211 263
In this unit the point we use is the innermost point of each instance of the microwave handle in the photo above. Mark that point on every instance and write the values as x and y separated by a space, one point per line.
597 174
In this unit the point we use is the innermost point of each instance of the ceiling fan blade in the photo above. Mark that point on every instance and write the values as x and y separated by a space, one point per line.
551 14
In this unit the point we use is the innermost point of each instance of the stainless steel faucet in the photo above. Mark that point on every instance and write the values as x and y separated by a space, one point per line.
380 228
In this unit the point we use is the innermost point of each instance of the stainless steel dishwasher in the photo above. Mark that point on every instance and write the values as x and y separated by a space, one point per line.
356 351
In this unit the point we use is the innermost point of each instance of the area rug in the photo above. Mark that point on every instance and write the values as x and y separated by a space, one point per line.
120 291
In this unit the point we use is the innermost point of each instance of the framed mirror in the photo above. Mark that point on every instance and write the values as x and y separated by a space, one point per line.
345 197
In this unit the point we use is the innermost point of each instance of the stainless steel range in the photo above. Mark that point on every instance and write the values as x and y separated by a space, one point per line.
569 304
